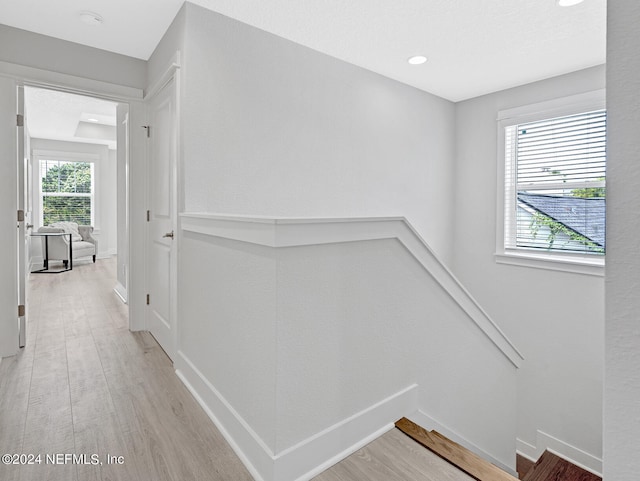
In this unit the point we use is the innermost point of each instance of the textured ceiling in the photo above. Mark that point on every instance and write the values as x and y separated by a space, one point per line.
62 116
474 46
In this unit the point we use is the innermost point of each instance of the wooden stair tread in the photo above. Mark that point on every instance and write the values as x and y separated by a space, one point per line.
553 468
465 460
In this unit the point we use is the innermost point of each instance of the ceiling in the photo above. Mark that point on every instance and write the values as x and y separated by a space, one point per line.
474 46
73 118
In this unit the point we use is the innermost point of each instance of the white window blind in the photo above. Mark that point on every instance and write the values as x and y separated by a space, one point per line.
555 184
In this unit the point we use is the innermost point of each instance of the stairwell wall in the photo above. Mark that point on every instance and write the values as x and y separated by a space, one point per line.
277 129
271 128
555 318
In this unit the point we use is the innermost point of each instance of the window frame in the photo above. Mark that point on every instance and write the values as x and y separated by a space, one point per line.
92 159
506 195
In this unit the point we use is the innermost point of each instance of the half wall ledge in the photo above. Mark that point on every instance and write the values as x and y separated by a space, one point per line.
292 232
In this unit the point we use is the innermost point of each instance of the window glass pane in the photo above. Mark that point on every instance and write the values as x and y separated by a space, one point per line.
560 183
66 191
69 177
561 221
71 209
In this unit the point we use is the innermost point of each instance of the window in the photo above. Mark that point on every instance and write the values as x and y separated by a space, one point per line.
67 191
553 178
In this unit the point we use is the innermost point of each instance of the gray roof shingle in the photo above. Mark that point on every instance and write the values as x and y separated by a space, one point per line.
585 216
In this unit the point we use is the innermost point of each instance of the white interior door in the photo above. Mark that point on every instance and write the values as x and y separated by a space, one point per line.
161 248
24 218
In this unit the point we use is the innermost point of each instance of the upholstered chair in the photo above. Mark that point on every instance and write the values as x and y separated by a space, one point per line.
83 243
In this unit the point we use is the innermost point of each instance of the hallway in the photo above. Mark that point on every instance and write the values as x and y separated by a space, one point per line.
85 385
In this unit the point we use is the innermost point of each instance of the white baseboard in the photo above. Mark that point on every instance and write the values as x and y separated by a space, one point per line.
427 422
527 450
308 458
252 451
317 453
36 262
560 448
106 254
121 292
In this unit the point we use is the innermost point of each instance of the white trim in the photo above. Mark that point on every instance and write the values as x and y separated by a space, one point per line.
526 450
308 458
249 447
424 420
315 454
36 77
121 292
564 106
574 455
289 232
106 254
68 83
563 264
573 104
166 77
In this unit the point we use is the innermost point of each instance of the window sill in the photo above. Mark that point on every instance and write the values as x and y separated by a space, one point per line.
589 267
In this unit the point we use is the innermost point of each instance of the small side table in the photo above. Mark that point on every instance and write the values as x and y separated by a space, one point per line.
45 269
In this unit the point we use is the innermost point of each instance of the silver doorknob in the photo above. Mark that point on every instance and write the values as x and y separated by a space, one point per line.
169 234
29 226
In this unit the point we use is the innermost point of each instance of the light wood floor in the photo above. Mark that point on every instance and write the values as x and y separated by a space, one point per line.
85 384
393 457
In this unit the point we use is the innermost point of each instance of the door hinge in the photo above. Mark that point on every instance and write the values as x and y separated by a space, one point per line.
20 120
148 128
148 299
21 310
20 216
148 215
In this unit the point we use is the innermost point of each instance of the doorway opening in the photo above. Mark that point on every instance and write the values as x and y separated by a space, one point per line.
75 172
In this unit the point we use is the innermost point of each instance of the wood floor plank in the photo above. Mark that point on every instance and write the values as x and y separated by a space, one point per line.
393 457
85 385
461 457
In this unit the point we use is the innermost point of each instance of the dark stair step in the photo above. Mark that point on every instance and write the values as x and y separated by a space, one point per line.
553 468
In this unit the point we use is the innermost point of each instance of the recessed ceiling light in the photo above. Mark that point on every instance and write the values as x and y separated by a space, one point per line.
569 3
92 120
417 59
91 18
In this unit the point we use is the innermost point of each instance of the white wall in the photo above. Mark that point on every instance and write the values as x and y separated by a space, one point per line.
304 339
35 50
105 170
274 128
555 318
622 365
171 42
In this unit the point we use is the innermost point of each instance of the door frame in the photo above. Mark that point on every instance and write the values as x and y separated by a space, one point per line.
171 75
33 77
24 190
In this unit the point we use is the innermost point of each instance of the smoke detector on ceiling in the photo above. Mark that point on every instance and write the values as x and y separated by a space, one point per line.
417 60
569 3
91 18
